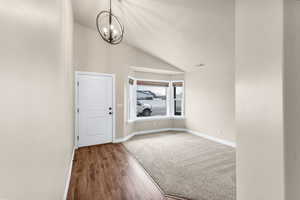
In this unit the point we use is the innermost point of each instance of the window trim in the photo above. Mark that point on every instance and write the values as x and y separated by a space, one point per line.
132 101
182 100
131 116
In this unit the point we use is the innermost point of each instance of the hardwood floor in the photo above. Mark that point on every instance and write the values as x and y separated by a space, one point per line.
109 172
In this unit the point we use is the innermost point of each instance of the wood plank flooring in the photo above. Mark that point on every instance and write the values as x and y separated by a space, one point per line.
109 172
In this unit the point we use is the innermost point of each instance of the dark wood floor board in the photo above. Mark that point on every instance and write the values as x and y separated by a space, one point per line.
109 172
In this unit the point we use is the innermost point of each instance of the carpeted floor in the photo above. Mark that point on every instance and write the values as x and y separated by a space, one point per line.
188 166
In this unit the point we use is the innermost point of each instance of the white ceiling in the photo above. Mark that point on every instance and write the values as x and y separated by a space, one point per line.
183 33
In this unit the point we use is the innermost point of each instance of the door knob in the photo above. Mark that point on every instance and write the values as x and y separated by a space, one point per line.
110 113
110 108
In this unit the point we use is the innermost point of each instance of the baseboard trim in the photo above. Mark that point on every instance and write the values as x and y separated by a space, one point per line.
178 129
152 131
69 175
120 140
218 140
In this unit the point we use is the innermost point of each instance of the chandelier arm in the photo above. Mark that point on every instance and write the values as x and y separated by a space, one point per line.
98 28
121 36
110 34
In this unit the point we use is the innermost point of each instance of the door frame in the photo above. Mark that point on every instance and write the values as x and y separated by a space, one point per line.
77 75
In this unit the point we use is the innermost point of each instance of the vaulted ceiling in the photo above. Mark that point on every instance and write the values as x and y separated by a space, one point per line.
184 33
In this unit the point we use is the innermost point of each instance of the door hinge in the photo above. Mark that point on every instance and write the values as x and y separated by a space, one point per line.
77 110
78 137
77 83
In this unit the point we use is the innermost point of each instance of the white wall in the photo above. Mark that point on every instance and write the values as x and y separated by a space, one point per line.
35 122
92 54
259 99
292 98
210 91
184 34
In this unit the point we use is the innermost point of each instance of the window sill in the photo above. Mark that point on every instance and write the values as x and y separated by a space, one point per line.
178 117
141 119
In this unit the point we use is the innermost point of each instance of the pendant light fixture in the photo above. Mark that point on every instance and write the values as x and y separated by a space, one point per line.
109 26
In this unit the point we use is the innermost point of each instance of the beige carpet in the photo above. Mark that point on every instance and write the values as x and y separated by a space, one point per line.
185 165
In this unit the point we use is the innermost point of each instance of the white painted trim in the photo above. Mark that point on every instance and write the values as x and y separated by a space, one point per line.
93 73
141 133
132 99
137 119
155 71
69 175
156 118
218 140
178 129
225 142
151 131
113 76
178 117
114 107
152 80
221 141
174 99
120 140
75 110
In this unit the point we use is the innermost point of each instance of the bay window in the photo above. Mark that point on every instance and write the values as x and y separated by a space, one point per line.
155 99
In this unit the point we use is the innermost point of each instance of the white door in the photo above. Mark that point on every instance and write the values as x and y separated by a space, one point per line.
94 109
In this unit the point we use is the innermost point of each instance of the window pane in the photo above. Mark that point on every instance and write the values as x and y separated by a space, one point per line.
130 102
151 101
178 92
178 107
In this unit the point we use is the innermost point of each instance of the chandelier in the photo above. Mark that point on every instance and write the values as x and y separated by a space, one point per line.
109 26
